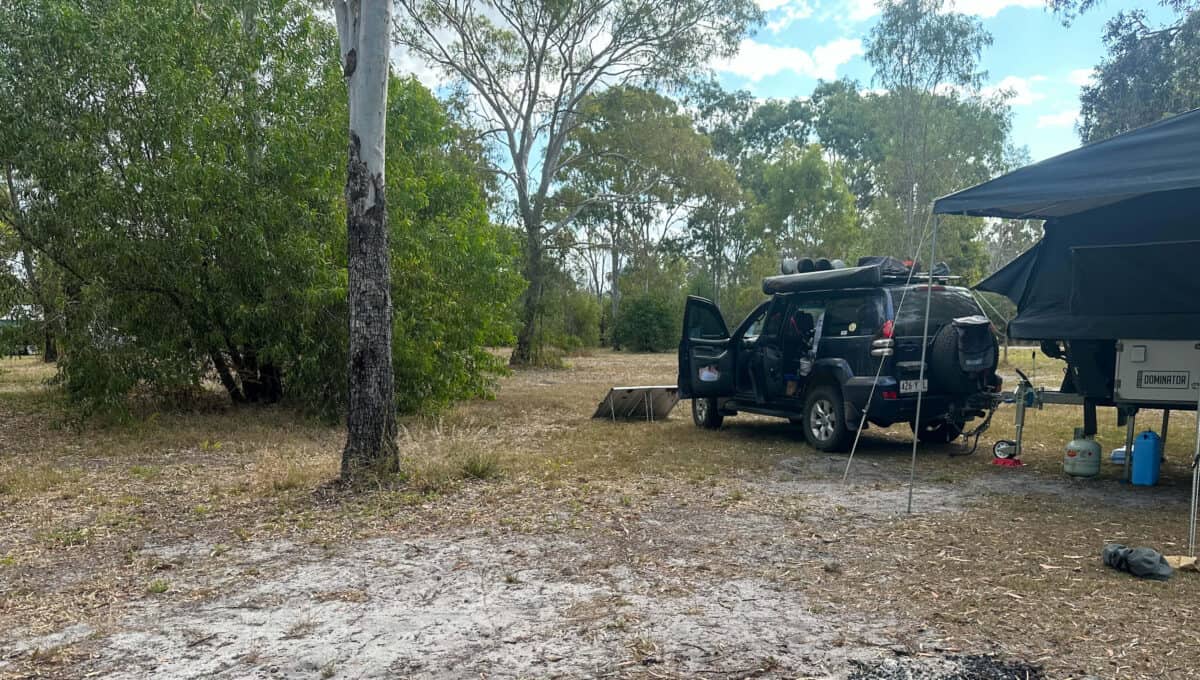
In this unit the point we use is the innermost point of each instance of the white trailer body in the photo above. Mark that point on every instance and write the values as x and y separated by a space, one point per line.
1165 372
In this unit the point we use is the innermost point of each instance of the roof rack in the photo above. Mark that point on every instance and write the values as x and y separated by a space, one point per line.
919 277
865 276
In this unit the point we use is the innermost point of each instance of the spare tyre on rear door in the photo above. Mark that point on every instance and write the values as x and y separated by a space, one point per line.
963 356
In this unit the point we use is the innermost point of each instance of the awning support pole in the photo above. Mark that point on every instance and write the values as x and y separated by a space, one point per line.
1130 429
912 470
1195 484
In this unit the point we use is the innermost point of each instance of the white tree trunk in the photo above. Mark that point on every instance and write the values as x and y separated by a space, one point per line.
364 35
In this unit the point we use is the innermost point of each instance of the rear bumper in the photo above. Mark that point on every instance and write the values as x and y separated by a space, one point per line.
903 408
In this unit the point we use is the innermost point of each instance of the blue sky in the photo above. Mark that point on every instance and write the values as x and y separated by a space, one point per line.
1042 62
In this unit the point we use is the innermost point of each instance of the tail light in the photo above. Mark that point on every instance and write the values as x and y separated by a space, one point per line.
883 345
891 394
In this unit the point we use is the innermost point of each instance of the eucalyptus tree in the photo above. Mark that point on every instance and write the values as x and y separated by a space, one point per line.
364 28
637 147
846 121
807 206
729 226
921 52
529 66
1151 70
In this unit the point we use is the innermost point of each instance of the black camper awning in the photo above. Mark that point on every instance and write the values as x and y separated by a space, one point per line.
1122 271
1011 279
1161 157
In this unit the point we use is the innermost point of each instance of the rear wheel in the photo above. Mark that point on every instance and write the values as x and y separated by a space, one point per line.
824 419
938 432
705 413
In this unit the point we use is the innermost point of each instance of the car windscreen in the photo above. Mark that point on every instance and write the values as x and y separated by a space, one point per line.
946 305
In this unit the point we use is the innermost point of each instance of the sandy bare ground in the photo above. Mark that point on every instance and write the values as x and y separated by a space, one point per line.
209 546
679 589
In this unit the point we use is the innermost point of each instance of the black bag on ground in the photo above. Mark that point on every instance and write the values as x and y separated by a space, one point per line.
1141 562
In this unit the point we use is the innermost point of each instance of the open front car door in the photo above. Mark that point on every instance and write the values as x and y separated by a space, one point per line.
706 357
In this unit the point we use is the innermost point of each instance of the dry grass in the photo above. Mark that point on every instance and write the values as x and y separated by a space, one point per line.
82 505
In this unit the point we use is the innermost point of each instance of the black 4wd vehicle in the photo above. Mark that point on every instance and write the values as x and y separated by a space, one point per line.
830 344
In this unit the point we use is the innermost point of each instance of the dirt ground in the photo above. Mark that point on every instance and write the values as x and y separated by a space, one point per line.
528 540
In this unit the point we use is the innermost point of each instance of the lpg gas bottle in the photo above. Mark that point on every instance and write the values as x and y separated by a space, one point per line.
1083 456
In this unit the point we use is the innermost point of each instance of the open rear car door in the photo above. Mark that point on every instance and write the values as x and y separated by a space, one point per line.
706 357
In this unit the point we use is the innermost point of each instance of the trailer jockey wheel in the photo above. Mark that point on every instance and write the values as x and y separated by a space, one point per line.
1004 449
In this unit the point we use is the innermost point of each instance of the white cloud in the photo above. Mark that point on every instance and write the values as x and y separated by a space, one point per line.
1062 119
756 60
950 89
861 10
771 5
406 63
790 11
1082 76
989 8
1019 90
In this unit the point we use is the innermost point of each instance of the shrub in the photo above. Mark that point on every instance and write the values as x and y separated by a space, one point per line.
217 248
480 465
570 319
581 318
646 323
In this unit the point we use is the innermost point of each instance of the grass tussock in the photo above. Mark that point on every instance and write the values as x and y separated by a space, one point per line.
24 481
436 456
444 468
66 538
482 465
282 469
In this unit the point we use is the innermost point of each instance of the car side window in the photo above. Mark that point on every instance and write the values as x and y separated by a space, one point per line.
851 316
804 322
774 319
705 324
756 320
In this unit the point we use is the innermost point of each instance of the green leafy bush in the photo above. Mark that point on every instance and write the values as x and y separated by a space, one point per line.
186 178
647 323
581 318
17 335
569 319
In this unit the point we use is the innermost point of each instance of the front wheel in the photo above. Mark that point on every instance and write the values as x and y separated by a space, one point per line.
824 419
705 413
938 432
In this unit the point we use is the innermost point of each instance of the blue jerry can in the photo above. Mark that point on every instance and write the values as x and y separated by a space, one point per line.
1147 459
